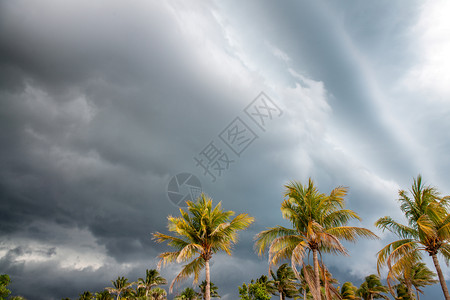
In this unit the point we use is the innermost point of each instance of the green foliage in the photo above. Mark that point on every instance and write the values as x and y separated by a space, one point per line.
255 290
372 288
428 230
319 223
121 285
213 290
158 293
348 291
284 282
188 294
86 296
152 279
103 295
4 282
402 293
199 233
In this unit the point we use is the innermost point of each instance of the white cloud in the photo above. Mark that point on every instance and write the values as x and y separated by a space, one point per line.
67 248
431 74
278 52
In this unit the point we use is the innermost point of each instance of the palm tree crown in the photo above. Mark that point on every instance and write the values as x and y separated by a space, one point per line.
319 223
200 232
372 288
348 291
121 285
428 230
151 279
188 294
284 282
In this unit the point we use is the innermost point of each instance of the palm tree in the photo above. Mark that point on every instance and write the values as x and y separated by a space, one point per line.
422 276
284 282
212 287
121 285
303 283
152 279
188 294
319 223
415 274
428 230
266 284
256 290
86 296
372 288
158 294
135 294
348 291
402 292
327 281
202 231
104 295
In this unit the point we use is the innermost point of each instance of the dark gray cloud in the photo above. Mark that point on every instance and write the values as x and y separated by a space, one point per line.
103 102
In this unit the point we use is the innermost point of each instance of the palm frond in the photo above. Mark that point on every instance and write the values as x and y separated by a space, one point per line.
194 267
265 238
403 231
350 233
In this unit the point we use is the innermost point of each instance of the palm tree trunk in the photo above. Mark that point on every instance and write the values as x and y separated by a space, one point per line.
316 294
304 294
281 296
417 292
207 275
441 277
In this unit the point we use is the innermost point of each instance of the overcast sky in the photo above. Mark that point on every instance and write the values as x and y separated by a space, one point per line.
102 102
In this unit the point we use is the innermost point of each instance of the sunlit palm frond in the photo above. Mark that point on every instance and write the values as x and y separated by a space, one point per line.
265 238
403 231
350 233
194 267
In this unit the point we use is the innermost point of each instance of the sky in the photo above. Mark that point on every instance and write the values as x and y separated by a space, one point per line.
104 103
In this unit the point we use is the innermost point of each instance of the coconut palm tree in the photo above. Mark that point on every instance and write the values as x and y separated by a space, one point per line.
319 224
86 296
303 283
415 275
428 230
103 295
256 290
284 282
402 292
134 294
200 232
327 281
372 288
348 291
422 276
121 285
188 294
151 279
158 293
212 288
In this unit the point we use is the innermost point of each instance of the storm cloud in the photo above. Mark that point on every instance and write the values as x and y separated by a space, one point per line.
102 102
